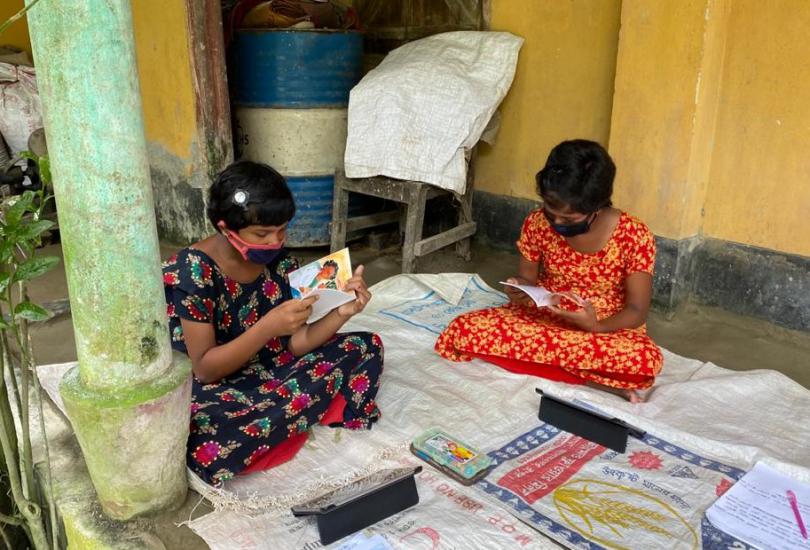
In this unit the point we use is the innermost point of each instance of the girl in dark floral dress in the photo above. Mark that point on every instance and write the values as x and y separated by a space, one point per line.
262 376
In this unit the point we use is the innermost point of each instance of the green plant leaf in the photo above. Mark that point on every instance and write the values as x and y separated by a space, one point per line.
4 324
6 248
27 248
45 170
42 163
35 229
4 279
34 268
31 312
16 211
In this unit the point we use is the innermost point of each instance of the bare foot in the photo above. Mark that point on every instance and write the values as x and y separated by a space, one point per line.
631 395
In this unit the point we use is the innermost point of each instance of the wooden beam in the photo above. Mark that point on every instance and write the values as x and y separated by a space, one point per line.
387 188
372 220
211 97
431 244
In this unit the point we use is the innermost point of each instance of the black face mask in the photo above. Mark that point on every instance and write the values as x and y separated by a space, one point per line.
572 229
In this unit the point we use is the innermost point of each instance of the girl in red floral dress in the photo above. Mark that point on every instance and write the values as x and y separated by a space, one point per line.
600 259
262 375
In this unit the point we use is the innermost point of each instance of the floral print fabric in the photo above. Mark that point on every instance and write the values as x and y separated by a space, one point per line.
240 418
623 359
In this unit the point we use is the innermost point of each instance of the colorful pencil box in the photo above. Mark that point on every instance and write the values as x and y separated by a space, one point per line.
455 458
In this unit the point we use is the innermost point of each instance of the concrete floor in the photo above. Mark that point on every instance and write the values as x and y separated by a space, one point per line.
708 334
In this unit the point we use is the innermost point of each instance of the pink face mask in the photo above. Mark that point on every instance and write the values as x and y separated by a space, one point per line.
257 253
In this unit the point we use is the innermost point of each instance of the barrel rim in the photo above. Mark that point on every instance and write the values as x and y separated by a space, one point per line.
291 105
318 110
253 30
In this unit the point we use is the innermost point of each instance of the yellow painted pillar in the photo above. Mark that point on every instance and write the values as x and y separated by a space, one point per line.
667 92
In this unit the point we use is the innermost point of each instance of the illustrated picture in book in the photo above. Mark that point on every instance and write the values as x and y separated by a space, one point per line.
326 277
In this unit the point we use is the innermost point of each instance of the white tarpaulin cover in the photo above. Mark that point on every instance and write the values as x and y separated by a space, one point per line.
705 427
416 114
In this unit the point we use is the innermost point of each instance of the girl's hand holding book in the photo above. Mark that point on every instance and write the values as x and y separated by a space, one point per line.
358 284
584 318
290 316
515 295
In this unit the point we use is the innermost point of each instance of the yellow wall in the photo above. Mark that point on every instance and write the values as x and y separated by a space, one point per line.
162 43
709 123
760 177
563 87
164 65
655 110
16 34
711 120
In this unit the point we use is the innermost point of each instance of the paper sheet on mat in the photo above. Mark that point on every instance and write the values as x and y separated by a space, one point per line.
757 510
734 418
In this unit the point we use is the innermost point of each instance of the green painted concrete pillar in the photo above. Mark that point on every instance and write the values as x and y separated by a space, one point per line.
128 399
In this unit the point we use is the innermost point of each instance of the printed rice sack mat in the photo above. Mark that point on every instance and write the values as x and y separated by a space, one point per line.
586 496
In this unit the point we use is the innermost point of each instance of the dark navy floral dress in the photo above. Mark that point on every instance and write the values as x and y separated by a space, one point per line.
237 420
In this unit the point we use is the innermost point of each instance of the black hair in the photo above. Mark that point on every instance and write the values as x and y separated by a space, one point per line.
331 263
578 173
266 201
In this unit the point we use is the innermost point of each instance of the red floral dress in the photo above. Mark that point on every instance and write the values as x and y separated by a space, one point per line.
514 333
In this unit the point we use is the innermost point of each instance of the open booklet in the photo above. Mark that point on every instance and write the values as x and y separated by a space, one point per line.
543 297
325 278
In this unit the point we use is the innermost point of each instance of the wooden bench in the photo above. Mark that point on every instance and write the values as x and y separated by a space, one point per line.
413 197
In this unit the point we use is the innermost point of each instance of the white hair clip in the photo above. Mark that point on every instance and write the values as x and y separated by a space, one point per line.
240 197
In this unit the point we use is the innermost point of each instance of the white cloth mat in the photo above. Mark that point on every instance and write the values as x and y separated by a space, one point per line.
733 417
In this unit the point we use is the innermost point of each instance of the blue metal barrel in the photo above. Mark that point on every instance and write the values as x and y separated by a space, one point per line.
291 93
296 69
313 203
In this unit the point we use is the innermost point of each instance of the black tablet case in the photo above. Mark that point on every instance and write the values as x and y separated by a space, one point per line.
336 522
608 432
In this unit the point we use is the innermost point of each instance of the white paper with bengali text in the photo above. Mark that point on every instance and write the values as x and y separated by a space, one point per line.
756 510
